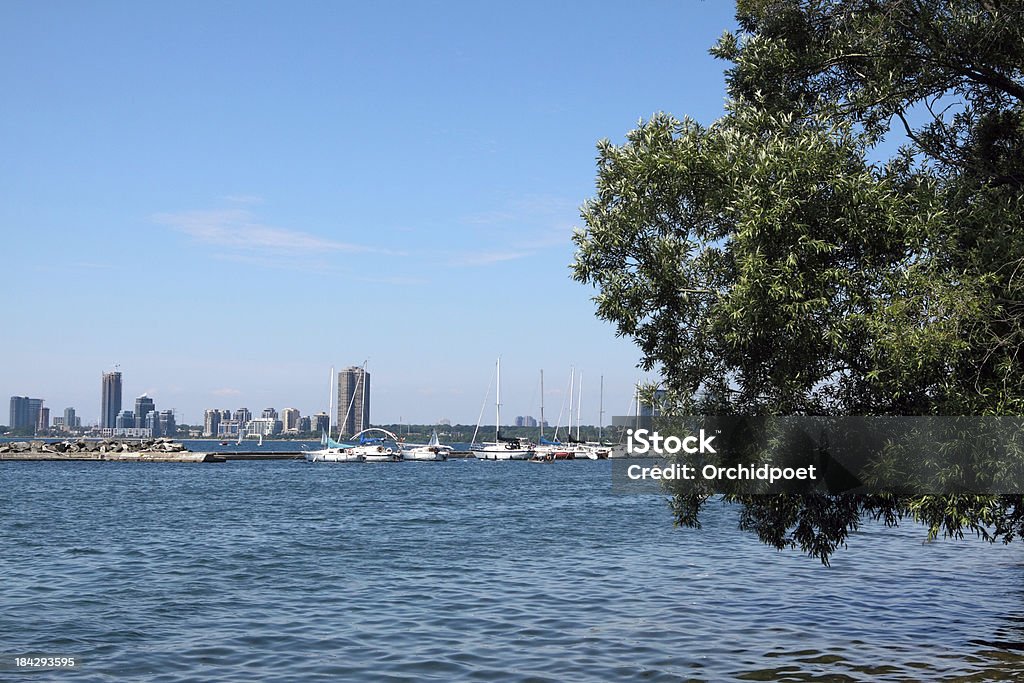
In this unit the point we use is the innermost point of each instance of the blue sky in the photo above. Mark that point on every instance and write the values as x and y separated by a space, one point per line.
228 198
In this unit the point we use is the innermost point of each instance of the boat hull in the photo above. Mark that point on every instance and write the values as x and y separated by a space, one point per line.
503 454
424 455
332 455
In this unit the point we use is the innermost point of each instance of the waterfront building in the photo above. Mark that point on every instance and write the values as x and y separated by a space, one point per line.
242 415
263 426
128 432
35 409
318 423
71 421
354 392
211 421
161 423
228 429
111 402
290 420
143 407
304 425
269 412
19 412
225 414
29 413
168 423
58 423
152 422
125 420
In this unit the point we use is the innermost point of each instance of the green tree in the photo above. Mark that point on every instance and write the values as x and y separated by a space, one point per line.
772 263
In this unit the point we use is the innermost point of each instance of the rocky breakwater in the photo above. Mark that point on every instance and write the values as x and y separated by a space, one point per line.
147 450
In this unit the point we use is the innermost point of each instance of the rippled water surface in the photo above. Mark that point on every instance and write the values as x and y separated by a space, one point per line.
465 570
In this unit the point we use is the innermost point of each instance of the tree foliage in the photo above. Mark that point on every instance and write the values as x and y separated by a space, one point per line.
775 263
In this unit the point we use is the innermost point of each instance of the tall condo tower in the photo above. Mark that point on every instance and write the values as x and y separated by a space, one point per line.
143 406
111 405
354 391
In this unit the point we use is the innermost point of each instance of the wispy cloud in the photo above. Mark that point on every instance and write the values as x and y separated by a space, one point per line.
239 230
536 223
486 258
248 199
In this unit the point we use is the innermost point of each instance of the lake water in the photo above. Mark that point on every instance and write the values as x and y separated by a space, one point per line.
466 570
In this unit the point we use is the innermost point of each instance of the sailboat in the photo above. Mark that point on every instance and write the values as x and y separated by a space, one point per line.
502 448
549 451
332 450
433 450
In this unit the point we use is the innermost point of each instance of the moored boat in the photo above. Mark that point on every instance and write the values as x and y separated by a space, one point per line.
383 448
332 451
502 448
431 451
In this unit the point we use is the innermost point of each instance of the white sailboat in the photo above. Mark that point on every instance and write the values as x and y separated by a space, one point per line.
382 447
332 451
550 451
501 449
432 451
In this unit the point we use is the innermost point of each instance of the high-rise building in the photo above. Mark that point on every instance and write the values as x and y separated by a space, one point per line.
228 428
353 400
318 423
151 423
269 412
290 419
162 423
19 412
70 419
304 424
125 420
111 405
28 413
35 410
211 421
168 423
263 426
144 405
242 415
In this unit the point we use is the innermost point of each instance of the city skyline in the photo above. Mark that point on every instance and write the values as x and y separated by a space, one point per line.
290 187
112 395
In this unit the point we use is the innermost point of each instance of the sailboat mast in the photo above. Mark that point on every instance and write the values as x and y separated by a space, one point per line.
638 405
330 404
542 404
362 401
572 390
497 402
579 404
600 413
